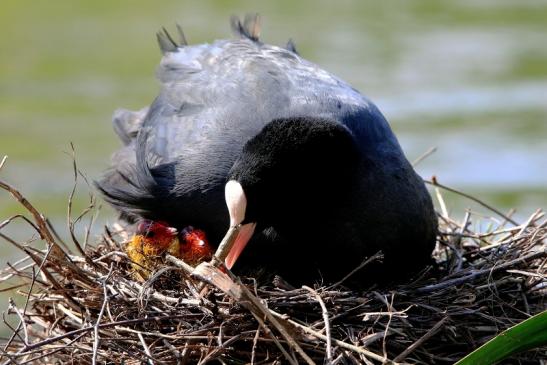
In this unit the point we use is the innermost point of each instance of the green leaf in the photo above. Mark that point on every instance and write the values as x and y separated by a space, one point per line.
526 335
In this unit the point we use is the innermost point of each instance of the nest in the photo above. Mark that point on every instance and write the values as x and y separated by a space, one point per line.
84 306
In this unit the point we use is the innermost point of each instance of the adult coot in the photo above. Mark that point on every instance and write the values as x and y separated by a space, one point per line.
308 163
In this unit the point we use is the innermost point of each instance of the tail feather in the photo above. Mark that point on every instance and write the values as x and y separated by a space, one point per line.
166 42
250 28
251 22
182 37
291 47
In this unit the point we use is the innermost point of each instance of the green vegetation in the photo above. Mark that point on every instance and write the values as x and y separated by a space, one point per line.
527 335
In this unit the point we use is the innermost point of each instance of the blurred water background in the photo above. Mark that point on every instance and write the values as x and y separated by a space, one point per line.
468 77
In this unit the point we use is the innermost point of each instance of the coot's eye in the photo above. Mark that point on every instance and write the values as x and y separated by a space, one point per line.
149 234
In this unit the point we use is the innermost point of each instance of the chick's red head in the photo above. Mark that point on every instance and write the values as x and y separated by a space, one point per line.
194 247
156 237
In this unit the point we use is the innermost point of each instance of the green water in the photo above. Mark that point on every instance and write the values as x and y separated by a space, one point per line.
469 77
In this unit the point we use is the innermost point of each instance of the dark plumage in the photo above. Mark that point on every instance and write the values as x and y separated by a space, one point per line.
325 178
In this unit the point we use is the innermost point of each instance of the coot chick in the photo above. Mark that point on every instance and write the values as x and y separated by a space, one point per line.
308 163
154 239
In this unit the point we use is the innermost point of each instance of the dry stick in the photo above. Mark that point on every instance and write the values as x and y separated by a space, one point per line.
85 212
44 234
151 292
34 276
219 348
355 360
13 287
342 344
255 342
474 275
185 354
538 213
178 336
530 274
180 263
60 241
510 213
390 317
540 230
442 204
39 218
146 349
108 255
210 274
84 330
188 270
109 238
46 354
325 319
378 255
434 182
219 336
425 155
12 218
70 223
457 239
269 333
133 352
3 224
22 323
3 161
421 340
18 272
91 206
370 339
15 264
265 311
339 343
174 350
31 287
8 356
100 316
89 226
182 336
15 332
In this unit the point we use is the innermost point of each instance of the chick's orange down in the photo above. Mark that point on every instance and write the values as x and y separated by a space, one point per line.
150 242
153 240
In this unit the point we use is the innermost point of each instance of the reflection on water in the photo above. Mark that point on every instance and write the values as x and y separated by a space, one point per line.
466 101
484 152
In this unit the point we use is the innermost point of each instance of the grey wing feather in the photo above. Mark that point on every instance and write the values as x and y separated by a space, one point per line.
214 97
214 90
127 123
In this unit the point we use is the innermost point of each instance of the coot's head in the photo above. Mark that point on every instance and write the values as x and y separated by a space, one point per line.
291 176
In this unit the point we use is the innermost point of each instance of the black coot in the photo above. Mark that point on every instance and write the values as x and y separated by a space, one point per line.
308 163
